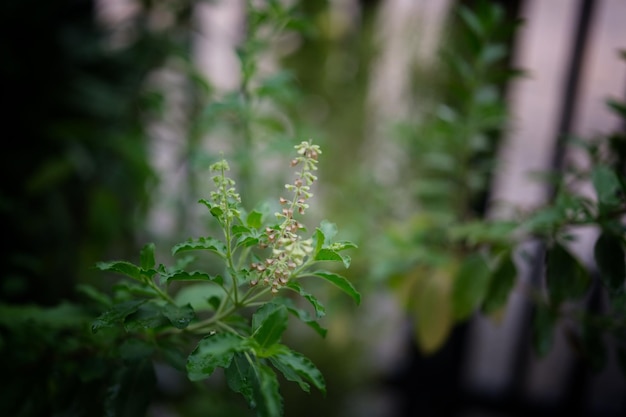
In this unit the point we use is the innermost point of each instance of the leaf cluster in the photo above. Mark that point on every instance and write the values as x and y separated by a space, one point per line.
236 320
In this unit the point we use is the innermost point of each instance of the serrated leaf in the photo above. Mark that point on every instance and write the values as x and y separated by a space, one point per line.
121 267
147 256
609 256
542 329
340 282
203 243
320 310
325 254
116 315
298 368
213 351
269 323
302 315
470 286
179 316
432 311
607 186
269 402
190 276
241 378
200 296
147 316
500 285
566 278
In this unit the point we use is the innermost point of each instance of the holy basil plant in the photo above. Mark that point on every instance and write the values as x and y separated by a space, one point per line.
236 318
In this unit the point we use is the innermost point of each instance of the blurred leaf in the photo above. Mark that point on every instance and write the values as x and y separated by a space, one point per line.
595 351
254 219
543 323
136 349
618 107
471 20
132 391
609 256
607 187
566 278
470 286
432 311
501 284
492 53
147 256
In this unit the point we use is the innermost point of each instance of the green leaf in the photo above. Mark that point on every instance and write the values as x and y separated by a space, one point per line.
330 231
131 391
254 219
331 255
116 315
319 240
191 276
432 311
298 368
609 256
594 348
203 243
241 377
94 294
343 245
471 20
140 290
121 267
470 286
147 316
543 323
617 106
180 317
340 282
269 323
501 284
566 278
147 256
136 349
302 315
213 351
320 311
607 187
269 402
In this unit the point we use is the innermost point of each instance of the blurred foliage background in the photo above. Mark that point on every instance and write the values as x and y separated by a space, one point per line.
113 123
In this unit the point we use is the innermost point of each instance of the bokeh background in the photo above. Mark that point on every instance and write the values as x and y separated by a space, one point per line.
425 110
